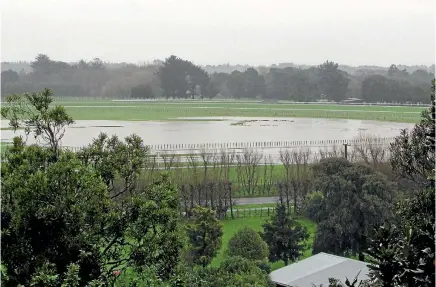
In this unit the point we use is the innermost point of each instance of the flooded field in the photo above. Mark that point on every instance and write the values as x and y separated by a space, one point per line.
224 130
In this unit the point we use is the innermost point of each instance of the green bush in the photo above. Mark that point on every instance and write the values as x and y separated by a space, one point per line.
247 243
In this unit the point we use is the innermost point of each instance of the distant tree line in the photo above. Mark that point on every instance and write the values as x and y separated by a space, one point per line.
177 78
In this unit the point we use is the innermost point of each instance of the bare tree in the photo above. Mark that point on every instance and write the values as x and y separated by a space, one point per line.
205 157
168 159
299 178
268 169
247 169
227 158
371 150
150 170
285 186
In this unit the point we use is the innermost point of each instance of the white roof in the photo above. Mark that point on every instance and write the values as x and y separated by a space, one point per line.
318 269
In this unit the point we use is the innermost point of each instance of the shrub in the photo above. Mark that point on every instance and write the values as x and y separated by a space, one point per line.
247 243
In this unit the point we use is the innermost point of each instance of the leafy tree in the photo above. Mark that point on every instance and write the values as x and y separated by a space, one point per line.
248 270
254 84
9 76
118 163
51 214
41 64
403 253
248 244
377 88
141 92
82 226
277 85
219 84
198 81
333 82
304 85
35 113
233 271
235 84
355 199
58 211
413 154
394 71
97 64
284 236
138 213
314 206
172 77
204 236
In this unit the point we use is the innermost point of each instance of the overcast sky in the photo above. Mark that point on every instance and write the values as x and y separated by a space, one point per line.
254 32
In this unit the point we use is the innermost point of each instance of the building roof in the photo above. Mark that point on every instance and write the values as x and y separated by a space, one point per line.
318 269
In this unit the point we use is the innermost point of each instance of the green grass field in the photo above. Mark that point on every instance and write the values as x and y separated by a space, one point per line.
231 226
131 111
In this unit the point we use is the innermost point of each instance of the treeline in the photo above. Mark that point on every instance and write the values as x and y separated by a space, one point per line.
181 79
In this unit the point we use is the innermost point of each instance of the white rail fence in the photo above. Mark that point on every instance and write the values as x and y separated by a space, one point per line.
178 148
267 151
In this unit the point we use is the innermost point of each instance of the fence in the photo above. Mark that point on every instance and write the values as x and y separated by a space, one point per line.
170 154
250 212
210 147
262 145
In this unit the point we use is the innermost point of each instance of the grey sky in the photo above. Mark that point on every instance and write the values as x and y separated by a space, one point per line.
252 32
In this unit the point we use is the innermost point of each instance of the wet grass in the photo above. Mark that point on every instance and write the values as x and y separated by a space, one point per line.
89 110
231 226
4 146
236 104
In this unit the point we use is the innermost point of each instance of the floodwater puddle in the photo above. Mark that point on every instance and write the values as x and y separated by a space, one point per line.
224 130
247 122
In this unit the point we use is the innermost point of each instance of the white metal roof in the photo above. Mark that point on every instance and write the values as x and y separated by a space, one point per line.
318 269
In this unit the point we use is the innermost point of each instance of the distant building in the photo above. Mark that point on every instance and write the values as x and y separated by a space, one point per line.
352 101
318 269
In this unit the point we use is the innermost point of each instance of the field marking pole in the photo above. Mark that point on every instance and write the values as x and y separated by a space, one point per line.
346 150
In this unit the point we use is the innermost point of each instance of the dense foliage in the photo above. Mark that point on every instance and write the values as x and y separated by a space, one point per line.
233 271
413 154
248 244
352 200
285 236
204 236
62 213
179 78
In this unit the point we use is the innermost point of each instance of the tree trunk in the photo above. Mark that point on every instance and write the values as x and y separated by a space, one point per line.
295 201
231 203
361 256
